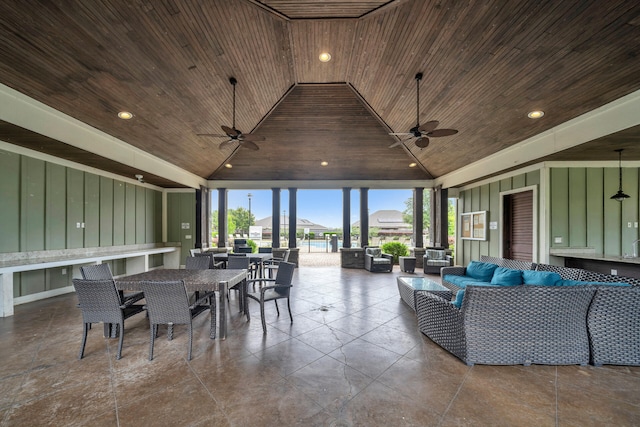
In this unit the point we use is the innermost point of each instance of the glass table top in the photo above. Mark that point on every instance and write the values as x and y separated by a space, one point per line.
422 283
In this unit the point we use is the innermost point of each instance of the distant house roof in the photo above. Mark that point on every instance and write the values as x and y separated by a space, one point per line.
387 220
265 223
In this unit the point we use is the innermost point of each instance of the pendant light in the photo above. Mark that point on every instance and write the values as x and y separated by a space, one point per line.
619 196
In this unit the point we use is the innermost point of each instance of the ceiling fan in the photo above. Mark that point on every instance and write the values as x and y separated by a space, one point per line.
421 133
246 140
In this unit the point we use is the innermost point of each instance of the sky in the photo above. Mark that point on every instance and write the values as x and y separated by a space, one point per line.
322 207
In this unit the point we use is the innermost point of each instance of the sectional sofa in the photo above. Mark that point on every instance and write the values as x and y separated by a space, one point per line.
514 312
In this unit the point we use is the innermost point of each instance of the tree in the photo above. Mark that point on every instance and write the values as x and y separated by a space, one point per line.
407 214
231 223
241 220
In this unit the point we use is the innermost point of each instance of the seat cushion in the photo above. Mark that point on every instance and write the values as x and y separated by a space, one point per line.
541 278
381 261
376 252
506 277
481 271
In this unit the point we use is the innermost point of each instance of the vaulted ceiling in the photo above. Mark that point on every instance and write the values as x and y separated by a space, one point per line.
485 65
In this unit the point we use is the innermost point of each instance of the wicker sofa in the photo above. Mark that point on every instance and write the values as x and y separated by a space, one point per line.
535 324
511 325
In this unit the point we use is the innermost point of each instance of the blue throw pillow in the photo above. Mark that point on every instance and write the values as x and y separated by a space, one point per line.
481 271
541 278
506 277
458 301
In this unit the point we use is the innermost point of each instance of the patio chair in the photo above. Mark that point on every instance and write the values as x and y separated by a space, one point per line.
238 263
273 263
434 259
212 261
103 272
197 263
280 289
375 260
100 302
168 304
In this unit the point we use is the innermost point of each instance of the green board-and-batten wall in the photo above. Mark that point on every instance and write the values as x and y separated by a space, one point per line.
181 220
43 202
486 197
584 216
581 213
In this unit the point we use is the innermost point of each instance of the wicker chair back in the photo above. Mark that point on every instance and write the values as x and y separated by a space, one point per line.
96 272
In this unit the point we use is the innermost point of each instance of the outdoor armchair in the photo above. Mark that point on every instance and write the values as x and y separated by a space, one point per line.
375 260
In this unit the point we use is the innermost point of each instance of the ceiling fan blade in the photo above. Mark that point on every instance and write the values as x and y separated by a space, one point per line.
251 137
422 142
230 132
395 144
248 144
400 133
442 132
215 135
429 126
226 143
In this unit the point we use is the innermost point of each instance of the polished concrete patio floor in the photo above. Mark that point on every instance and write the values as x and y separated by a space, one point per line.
352 357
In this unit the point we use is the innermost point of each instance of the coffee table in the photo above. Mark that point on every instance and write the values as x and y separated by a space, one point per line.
409 285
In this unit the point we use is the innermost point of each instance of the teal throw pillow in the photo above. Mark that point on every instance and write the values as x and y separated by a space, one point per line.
458 301
481 271
541 278
506 277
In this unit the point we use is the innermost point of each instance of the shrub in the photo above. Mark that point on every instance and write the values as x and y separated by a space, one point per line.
254 246
396 249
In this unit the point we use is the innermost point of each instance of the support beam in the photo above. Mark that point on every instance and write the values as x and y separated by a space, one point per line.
275 217
222 217
418 216
293 217
346 217
364 217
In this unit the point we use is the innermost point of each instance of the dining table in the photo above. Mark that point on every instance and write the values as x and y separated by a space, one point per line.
203 281
257 258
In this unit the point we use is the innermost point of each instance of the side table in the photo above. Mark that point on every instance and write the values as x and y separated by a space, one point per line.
407 264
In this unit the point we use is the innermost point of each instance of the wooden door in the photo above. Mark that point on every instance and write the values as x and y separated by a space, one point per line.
518 226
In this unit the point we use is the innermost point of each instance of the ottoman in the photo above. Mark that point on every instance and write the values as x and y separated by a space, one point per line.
407 264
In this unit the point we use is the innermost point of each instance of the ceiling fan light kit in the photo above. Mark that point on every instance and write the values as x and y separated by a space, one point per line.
234 135
424 132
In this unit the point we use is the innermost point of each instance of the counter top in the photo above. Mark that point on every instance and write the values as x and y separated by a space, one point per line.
586 254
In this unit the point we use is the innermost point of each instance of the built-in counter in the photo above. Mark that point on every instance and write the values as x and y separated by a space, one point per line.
588 259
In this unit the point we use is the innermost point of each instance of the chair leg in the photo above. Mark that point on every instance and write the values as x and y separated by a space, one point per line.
190 337
120 341
212 309
277 309
264 322
154 331
289 307
170 331
85 329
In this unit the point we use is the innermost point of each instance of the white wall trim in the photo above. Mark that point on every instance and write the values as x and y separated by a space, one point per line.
33 115
321 184
610 118
67 163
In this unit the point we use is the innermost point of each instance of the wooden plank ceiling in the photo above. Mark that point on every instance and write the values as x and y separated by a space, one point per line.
485 64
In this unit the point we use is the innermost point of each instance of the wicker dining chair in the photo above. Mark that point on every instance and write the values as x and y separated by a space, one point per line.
272 264
212 261
280 289
238 263
197 263
103 272
100 302
168 304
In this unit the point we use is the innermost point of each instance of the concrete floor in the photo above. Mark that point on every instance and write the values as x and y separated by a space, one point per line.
352 357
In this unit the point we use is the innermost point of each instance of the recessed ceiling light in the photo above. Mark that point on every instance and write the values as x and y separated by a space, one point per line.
413 165
325 57
324 163
536 114
125 115
228 166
